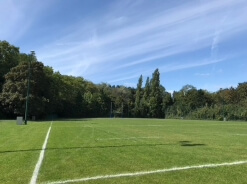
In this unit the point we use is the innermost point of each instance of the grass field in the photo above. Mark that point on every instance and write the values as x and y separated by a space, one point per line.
79 149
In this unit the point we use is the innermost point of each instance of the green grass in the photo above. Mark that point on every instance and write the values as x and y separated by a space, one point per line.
19 150
93 147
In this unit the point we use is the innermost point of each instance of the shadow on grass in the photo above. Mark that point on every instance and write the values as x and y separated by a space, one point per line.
87 147
76 119
182 143
189 143
18 151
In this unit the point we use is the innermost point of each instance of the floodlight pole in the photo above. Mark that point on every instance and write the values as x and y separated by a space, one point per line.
28 87
128 110
111 110
122 109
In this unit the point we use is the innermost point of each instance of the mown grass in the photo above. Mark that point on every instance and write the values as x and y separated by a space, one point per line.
90 148
87 148
19 150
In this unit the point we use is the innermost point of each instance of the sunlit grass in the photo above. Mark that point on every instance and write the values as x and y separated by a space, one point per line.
92 147
95 147
19 150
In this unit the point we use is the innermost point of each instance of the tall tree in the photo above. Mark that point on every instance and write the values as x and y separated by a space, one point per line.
145 111
138 98
156 96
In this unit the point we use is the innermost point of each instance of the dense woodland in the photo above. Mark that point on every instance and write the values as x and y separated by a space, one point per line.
54 95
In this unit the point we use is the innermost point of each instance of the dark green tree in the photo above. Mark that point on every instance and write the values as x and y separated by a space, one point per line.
9 58
121 101
156 99
104 99
145 111
138 98
167 102
241 91
13 96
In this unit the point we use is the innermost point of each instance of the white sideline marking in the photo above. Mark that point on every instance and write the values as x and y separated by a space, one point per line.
240 134
148 172
41 157
150 125
128 138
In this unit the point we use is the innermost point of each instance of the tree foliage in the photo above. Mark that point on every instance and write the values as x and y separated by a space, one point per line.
9 58
156 99
54 94
138 96
14 93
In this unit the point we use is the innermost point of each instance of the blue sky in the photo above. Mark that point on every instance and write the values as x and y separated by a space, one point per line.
197 42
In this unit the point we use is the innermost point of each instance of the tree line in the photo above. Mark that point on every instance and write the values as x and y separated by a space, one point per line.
55 95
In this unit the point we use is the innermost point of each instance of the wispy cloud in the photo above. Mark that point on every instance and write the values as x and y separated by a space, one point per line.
202 74
17 17
194 64
165 68
132 40
129 38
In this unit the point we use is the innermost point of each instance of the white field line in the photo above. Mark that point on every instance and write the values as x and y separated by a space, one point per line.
149 125
148 172
129 138
41 157
69 126
240 134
